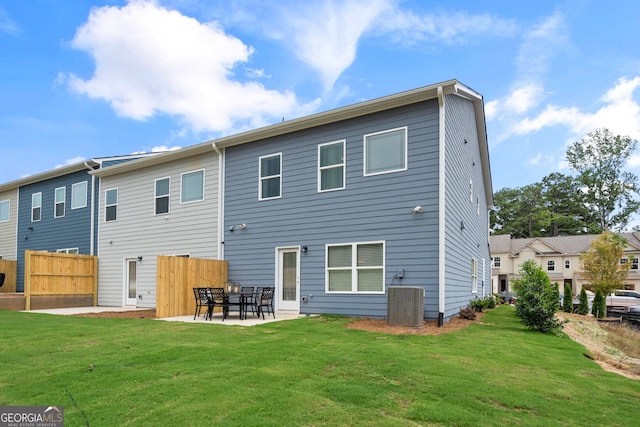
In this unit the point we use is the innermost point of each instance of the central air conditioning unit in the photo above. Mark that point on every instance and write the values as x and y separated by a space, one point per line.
405 306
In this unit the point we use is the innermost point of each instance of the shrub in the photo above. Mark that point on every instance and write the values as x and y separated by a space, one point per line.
467 313
567 301
583 305
599 308
477 305
538 300
491 301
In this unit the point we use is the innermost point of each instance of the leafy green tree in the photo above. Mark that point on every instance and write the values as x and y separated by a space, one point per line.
583 304
567 300
599 159
568 213
601 265
599 307
538 299
520 212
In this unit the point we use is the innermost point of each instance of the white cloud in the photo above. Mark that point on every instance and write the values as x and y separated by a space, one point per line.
71 161
8 25
150 60
163 148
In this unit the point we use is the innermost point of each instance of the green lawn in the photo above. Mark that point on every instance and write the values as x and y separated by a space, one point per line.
311 371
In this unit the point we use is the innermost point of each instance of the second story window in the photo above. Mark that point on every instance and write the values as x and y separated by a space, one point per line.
270 172
79 195
551 265
60 196
634 263
111 204
4 210
474 275
36 207
162 195
331 170
385 151
567 263
192 189
496 261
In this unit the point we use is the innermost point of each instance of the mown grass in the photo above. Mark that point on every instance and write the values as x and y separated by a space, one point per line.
309 372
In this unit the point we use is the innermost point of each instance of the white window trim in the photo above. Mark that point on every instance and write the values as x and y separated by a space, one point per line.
471 190
260 177
182 202
168 195
112 204
84 199
34 207
73 251
474 276
406 151
354 267
343 165
567 263
551 263
499 264
55 202
8 202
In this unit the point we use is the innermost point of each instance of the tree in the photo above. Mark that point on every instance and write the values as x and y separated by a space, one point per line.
538 299
567 300
568 213
599 308
583 304
604 266
599 159
519 211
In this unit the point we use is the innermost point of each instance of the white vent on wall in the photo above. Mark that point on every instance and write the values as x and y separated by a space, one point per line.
405 306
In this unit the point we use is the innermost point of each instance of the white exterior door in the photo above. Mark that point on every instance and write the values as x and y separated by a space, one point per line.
131 282
288 279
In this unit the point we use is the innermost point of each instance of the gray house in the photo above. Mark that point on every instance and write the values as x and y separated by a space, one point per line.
335 208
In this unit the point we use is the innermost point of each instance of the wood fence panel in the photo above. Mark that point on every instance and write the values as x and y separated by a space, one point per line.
10 269
177 276
59 274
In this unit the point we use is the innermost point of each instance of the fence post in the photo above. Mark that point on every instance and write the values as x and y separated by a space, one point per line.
27 280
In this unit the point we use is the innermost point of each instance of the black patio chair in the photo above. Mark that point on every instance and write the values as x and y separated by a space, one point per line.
2 276
202 300
265 300
218 297
248 295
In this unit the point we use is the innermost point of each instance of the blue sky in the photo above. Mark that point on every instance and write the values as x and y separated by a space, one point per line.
85 78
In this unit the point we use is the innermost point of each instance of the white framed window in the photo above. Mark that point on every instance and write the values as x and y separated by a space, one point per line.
355 268
634 263
331 166
567 263
111 204
5 206
496 261
551 265
67 251
192 188
270 173
385 151
162 187
36 207
79 195
474 276
60 197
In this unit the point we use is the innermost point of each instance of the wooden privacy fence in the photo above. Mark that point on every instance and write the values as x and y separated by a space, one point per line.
10 269
58 275
177 276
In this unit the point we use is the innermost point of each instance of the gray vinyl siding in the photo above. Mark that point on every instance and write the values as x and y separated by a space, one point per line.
188 229
8 238
73 230
462 165
370 209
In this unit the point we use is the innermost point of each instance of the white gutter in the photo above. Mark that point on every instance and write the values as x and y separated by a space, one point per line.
221 168
441 212
93 213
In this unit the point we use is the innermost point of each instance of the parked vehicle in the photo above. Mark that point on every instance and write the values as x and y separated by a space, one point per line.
633 309
623 298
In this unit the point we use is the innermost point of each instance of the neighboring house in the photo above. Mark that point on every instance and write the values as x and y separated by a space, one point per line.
52 211
164 205
334 208
558 256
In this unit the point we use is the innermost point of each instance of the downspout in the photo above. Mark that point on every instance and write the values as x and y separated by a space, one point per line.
441 212
92 241
220 200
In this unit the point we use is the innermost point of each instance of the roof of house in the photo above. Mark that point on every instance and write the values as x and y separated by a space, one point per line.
564 245
435 91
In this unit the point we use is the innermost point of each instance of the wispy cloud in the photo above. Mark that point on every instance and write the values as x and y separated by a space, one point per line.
150 60
71 161
8 25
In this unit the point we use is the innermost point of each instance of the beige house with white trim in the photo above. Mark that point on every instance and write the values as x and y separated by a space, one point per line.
558 256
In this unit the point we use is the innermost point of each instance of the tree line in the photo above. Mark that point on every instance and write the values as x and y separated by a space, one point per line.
600 196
